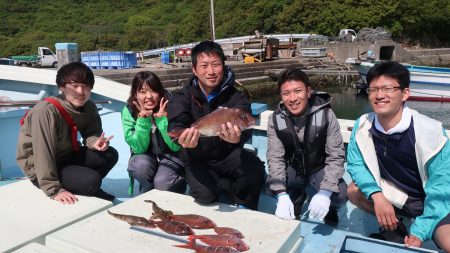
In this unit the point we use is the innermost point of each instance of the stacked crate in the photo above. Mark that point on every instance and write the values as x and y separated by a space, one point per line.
109 59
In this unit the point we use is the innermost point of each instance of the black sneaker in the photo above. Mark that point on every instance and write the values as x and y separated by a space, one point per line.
331 218
398 235
103 195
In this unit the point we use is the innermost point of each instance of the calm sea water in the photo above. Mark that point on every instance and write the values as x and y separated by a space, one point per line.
347 105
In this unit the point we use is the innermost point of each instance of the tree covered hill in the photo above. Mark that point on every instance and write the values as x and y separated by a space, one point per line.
144 24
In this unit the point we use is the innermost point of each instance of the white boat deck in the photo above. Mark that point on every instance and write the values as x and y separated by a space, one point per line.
27 215
104 233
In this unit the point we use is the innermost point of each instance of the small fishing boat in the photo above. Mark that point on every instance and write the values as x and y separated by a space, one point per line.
427 83
261 228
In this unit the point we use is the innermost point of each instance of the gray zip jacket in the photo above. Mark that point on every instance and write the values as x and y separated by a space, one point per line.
334 149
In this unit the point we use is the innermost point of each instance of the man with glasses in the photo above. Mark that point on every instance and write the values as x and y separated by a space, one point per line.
399 161
48 151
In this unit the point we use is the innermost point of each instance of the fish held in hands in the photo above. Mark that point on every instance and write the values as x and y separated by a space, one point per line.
208 249
228 231
211 124
193 220
221 240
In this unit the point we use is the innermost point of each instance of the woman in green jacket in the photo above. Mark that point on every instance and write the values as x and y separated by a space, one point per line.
154 162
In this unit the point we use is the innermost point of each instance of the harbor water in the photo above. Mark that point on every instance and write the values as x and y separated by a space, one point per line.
348 105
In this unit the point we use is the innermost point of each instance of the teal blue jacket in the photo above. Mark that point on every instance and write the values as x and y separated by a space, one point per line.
432 150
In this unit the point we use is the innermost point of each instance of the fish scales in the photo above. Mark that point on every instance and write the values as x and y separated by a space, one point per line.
211 124
228 231
173 227
193 220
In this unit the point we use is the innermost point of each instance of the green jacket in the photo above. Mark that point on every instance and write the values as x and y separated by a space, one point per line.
137 132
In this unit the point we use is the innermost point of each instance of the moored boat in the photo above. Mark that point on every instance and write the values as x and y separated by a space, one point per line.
427 83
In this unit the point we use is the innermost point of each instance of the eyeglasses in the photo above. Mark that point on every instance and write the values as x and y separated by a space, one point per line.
383 89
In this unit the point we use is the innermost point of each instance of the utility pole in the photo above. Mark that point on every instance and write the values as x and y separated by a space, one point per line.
212 21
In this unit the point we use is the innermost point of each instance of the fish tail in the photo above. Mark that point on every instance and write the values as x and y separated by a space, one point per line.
188 245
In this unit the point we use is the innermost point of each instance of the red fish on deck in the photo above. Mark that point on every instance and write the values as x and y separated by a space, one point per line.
228 231
193 220
211 124
221 240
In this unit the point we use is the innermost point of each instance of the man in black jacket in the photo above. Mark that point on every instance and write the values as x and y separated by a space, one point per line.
215 164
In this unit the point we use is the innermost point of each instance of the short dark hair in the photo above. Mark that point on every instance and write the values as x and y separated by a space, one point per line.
293 74
207 47
75 72
391 69
140 79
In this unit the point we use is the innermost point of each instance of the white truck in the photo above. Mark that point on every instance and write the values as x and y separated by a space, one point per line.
347 32
44 58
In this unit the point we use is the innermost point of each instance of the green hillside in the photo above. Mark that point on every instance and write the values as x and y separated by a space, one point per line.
139 25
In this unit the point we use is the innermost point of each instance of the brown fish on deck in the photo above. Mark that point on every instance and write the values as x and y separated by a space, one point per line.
221 240
193 220
158 212
168 226
133 220
207 249
228 231
211 124
173 227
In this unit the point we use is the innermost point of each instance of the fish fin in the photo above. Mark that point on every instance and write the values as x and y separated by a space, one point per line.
175 134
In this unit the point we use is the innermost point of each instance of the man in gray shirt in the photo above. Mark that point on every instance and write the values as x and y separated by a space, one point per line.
305 151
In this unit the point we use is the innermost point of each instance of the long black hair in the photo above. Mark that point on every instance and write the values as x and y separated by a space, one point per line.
140 79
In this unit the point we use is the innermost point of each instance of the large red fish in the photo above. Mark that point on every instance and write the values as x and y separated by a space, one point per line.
211 124
193 220
221 240
208 249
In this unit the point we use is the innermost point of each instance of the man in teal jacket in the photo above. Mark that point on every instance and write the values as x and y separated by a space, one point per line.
399 161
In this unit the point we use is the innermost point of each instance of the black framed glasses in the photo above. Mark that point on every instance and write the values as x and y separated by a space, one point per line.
383 89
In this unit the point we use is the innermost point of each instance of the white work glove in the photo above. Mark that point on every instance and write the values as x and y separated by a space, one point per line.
319 205
285 208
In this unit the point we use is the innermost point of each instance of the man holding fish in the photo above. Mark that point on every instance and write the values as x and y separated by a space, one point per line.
208 116
305 151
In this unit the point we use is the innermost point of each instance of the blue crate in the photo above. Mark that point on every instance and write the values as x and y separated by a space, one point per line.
258 108
109 59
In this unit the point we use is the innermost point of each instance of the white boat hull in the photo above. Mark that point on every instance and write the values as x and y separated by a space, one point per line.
427 83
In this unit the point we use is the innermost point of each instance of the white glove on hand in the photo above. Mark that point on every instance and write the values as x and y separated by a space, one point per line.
285 208
319 205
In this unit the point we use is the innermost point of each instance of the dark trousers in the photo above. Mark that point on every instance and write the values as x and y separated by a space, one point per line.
310 184
165 172
82 173
240 175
